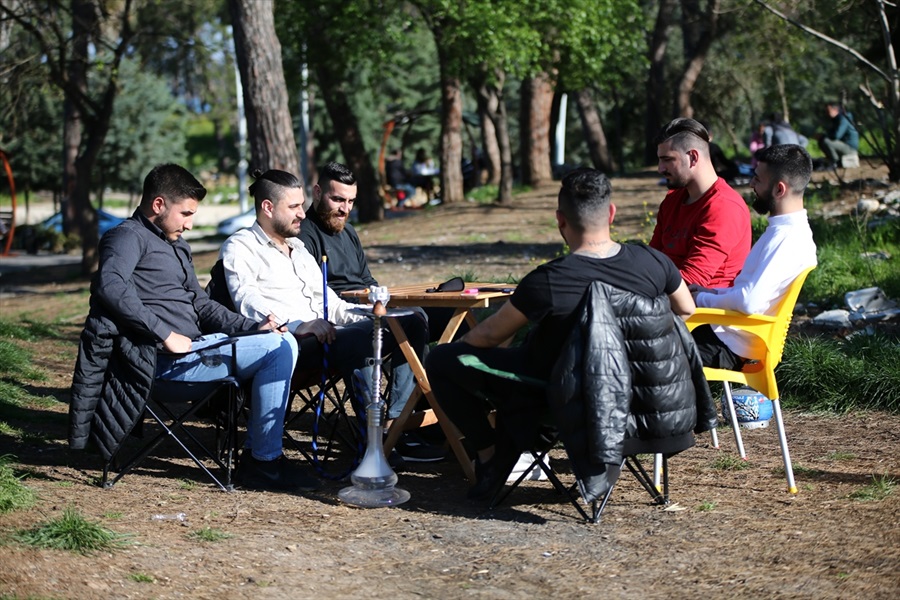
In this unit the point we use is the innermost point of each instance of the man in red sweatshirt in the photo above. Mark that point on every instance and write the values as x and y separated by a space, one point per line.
703 225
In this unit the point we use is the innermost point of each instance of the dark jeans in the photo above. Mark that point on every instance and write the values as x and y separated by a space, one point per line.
467 395
713 351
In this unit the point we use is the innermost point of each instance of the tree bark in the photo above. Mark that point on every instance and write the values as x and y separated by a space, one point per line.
488 99
534 125
269 127
593 131
346 128
451 132
699 31
656 81
491 96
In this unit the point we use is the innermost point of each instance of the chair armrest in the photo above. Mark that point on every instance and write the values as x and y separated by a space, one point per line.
720 316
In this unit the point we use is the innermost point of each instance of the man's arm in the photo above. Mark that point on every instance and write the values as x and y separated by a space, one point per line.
682 302
497 328
240 266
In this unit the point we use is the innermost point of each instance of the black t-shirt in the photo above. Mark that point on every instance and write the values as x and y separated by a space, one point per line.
549 295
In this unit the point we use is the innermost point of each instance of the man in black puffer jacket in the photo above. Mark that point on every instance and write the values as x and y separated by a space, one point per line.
549 298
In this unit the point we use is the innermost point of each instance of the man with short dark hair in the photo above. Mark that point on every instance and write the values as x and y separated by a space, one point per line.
842 138
147 286
549 298
782 252
703 225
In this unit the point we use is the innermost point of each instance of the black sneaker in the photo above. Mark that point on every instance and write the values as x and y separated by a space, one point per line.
279 475
396 461
490 476
414 449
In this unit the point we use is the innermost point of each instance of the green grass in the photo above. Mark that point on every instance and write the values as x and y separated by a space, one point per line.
706 506
838 455
209 534
71 532
14 495
880 488
730 462
859 373
142 578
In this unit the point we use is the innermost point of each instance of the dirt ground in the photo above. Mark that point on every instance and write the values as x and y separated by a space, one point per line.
729 531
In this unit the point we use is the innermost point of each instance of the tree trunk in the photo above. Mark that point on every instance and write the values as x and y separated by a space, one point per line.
656 81
258 50
699 31
487 105
451 135
491 96
534 124
593 131
346 128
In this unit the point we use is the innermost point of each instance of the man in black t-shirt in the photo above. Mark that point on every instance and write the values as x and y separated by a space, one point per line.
547 298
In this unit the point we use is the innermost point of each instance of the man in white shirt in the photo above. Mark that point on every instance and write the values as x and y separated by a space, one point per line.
269 271
784 250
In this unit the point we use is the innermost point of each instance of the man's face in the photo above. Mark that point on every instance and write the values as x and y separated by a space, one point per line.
674 165
764 189
334 203
174 218
288 213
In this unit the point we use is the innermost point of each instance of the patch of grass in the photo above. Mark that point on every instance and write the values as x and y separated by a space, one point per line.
859 373
14 495
209 534
142 578
112 515
187 484
801 470
71 532
484 194
16 362
706 506
730 462
838 455
880 488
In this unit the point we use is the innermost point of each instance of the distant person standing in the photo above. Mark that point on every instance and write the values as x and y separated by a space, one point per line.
779 132
842 138
703 225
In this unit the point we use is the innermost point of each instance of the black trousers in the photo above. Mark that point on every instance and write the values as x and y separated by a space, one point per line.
713 351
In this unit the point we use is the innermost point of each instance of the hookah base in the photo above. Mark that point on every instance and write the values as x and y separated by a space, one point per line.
368 497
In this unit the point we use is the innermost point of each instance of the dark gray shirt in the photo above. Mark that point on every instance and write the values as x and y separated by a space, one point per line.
149 285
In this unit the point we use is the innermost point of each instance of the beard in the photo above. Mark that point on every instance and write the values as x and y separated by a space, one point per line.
764 203
330 219
286 228
674 182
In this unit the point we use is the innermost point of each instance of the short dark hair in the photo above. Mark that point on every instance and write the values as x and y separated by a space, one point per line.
335 171
681 132
272 185
789 163
584 198
172 182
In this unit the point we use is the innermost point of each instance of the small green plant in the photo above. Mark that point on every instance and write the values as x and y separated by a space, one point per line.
187 484
706 506
71 532
801 470
14 495
209 534
141 578
838 455
112 516
730 462
880 488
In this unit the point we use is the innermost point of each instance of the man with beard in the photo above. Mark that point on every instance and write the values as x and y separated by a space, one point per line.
783 251
269 271
327 231
703 225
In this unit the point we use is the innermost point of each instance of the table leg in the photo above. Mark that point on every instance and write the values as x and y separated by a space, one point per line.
424 387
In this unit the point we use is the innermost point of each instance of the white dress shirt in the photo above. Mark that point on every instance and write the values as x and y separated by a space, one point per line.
262 280
781 253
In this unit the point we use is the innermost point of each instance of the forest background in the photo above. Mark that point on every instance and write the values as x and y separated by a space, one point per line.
95 92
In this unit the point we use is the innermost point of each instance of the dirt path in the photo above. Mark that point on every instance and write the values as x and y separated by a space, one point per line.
733 529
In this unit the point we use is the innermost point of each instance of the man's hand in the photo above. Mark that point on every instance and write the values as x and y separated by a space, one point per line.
696 289
271 324
177 343
322 329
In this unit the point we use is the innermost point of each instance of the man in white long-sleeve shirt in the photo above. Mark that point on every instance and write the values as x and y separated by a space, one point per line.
269 271
782 252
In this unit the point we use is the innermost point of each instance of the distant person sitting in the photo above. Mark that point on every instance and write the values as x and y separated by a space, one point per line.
779 132
757 141
423 171
842 138
395 176
703 225
784 250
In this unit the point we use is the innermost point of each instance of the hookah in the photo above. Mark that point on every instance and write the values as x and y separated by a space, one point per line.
374 480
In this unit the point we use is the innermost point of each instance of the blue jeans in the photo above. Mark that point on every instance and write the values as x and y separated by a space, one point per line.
267 359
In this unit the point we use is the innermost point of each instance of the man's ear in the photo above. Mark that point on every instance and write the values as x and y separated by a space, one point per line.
317 192
560 218
781 190
612 212
158 206
268 207
693 157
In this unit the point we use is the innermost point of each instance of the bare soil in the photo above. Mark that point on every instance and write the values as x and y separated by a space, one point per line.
731 530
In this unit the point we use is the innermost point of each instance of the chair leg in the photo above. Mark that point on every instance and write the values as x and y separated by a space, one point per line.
734 422
657 470
715 438
785 453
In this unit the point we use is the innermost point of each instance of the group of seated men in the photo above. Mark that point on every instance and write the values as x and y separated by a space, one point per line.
699 255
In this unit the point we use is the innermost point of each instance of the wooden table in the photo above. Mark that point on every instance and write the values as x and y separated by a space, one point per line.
487 294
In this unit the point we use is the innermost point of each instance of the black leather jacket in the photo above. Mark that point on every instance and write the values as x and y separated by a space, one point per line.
629 369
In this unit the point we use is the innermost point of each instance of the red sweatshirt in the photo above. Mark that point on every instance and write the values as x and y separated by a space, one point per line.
707 240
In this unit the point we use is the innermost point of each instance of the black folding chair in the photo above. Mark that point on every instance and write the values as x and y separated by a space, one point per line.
172 405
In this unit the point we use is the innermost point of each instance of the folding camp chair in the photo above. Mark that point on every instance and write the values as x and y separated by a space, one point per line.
172 405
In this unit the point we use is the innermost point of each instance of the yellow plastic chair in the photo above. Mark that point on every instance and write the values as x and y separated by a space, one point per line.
757 375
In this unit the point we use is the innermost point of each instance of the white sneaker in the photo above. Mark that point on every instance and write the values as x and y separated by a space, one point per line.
525 461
